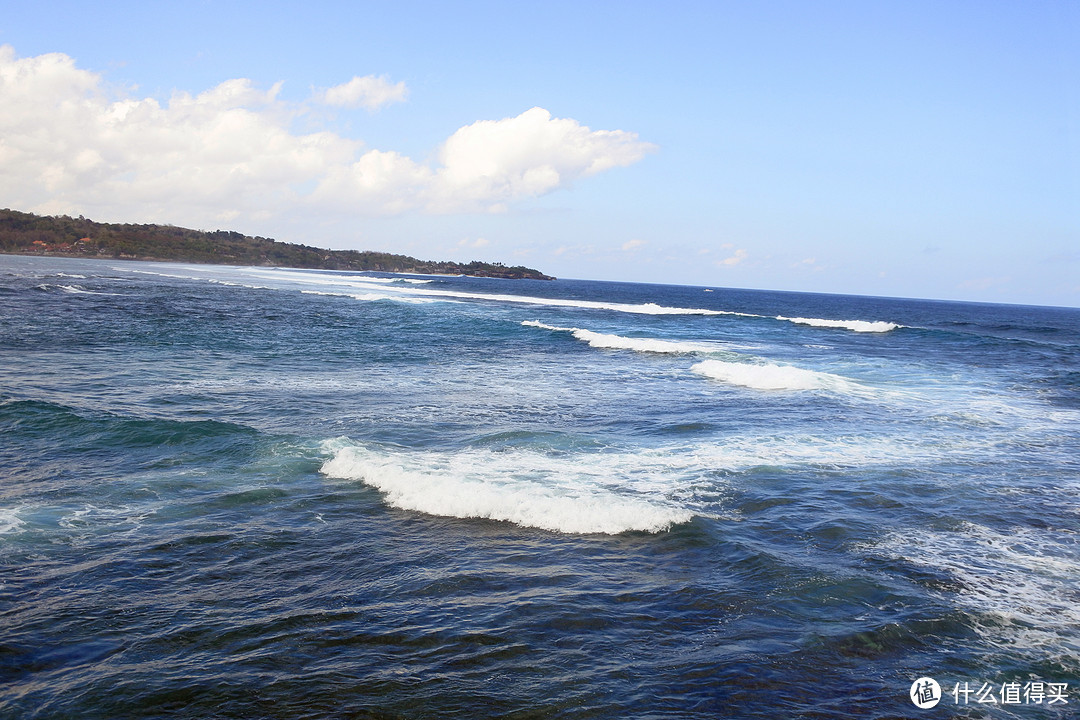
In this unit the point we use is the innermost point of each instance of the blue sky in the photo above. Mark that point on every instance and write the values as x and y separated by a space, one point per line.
915 149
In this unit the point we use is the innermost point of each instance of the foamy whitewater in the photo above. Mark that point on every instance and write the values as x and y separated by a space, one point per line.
258 492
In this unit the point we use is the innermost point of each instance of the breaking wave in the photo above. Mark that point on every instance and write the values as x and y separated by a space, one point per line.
371 296
864 326
530 489
72 290
77 290
392 286
346 285
619 342
581 492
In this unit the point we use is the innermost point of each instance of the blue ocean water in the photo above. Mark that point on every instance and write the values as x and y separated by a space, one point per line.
266 493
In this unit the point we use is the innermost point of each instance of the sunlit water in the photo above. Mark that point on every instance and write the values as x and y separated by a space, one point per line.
251 492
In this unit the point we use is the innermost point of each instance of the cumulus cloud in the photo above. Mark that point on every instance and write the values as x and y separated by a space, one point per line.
632 244
66 145
70 143
492 161
368 92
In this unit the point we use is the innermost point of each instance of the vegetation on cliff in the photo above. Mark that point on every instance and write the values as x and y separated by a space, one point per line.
29 234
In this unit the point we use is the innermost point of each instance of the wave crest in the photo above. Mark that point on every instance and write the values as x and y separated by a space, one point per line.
619 342
398 287
528 489
864 326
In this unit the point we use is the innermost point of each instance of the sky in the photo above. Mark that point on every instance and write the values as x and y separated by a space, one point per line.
907 149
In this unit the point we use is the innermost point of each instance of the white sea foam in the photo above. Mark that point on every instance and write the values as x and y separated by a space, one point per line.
568 495
864 326
773 377
159 274
758 376
370 296
75 290
94 518
396 287
607 492
357 280
619 342
738 453
1024 583
637 309
324 279
10 521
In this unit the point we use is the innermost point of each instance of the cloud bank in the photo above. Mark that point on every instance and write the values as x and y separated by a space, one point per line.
70 144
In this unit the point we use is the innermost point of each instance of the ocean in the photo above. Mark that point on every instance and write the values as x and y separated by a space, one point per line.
270 493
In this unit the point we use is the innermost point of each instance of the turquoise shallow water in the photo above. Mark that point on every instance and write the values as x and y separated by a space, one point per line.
246 493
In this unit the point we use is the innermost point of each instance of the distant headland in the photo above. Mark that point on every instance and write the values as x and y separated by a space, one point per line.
28 234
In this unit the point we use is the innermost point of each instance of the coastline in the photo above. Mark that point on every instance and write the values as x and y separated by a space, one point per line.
63 236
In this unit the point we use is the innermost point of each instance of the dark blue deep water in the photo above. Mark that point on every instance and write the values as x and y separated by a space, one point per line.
260 493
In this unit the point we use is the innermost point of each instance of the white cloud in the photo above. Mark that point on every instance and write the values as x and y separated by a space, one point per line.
69 143
369 92
734 259
378 182
64 145
476 244
632 244
494 161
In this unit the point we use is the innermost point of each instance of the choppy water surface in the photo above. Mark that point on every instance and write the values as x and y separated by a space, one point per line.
250 492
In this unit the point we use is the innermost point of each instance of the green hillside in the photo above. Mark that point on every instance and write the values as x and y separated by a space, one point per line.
28 234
